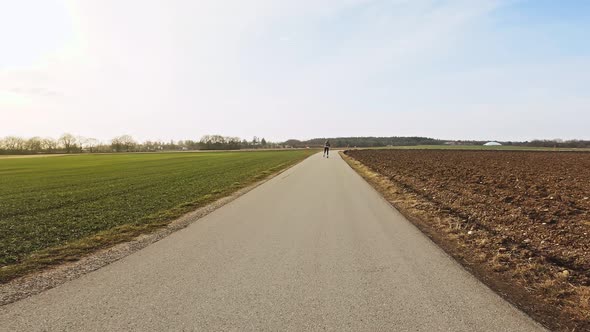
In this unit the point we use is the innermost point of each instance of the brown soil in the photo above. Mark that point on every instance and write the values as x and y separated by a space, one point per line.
519 220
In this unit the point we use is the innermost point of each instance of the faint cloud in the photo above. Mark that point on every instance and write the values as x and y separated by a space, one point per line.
35 91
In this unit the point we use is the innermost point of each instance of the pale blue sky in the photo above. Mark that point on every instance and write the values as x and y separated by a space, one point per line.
178 69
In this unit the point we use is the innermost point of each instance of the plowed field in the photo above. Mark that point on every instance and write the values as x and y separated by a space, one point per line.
525 214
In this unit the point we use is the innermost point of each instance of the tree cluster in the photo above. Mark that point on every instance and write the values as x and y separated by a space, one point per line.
69 143
218 142
362 142
557 143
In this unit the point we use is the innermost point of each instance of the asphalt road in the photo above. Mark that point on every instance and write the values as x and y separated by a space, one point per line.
314 249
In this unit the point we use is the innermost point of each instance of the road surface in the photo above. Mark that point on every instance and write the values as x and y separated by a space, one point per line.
314 249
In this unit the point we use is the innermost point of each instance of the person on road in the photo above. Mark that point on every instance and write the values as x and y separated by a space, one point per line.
327 149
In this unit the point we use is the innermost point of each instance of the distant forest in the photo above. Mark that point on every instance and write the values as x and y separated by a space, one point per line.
364 142
68 143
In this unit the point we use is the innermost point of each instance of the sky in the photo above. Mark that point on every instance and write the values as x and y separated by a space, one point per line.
180 69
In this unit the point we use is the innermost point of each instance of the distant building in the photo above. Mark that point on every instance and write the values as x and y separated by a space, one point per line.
492 144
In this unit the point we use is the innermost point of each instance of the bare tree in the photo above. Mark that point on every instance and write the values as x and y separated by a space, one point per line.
123 143
151 146
14 143
49 144
68 141
128 142
91 144
34 144
81 142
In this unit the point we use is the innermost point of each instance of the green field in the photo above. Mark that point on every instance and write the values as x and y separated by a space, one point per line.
54 209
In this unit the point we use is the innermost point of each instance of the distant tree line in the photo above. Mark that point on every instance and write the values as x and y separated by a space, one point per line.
218 142
362 142
556 143
553 143
68 143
